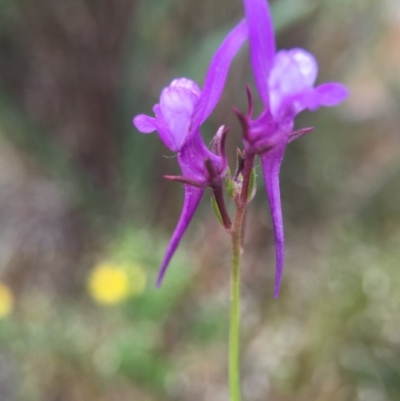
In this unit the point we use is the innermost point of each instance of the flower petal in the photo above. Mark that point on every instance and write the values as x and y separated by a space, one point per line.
191 201
262 44
144 123
293 74
187 84
216 76
271 162
329 94
192 159
176 105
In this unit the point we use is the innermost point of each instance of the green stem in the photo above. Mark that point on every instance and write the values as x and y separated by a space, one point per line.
237 232
234 331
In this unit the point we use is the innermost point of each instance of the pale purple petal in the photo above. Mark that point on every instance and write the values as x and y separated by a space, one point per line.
216 76
293 74
271 163
144 123
187 84
329 94
176 105
192 198
262 44
290 106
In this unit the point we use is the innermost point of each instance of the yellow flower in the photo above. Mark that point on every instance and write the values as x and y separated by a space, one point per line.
6 300
110 283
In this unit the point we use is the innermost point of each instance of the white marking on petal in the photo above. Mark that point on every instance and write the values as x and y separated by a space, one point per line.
187 84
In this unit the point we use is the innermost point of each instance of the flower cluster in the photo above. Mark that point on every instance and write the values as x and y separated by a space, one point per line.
285 82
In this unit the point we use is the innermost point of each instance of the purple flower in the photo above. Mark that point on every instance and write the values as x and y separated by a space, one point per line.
183 107
285 82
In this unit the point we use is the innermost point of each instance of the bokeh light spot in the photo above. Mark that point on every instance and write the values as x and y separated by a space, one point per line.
6 300
108 284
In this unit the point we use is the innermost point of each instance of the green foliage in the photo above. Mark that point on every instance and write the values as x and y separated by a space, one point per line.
345 329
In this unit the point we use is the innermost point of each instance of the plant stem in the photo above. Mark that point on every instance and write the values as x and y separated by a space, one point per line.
234 331
237 231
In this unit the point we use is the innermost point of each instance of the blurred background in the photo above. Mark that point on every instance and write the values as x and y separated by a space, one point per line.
85 214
